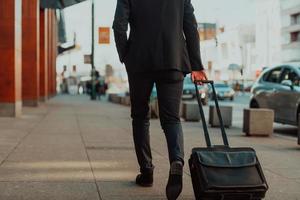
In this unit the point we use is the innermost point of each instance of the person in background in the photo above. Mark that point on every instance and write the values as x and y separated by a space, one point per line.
162 47
101 86
64 80
73 82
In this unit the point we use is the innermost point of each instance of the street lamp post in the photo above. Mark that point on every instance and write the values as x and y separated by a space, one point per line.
93 74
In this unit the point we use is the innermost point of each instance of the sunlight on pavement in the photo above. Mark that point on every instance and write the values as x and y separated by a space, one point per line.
64 171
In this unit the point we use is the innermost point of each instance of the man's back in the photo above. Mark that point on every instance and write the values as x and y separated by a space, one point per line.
157 16
163 35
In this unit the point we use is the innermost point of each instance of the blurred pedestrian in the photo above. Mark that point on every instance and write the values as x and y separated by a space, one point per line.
101 86
64 80
162 48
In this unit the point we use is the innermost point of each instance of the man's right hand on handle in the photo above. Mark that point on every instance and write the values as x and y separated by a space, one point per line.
199 76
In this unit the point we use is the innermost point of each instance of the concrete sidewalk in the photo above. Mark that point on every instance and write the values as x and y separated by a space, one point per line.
75 149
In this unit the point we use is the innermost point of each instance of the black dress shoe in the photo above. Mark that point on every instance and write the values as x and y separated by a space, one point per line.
174 186
144 180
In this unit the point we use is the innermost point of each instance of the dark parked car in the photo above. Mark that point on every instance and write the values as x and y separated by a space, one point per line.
189 92
278 88
223 91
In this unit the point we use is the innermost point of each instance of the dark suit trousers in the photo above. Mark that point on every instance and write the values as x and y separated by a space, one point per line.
169 85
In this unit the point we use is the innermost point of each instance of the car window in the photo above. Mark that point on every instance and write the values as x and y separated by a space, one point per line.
219 85
265 76
291 75
274 76
188 80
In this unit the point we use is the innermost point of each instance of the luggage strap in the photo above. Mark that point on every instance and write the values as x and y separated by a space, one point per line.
206 133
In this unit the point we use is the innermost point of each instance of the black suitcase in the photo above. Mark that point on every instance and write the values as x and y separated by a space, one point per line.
222 172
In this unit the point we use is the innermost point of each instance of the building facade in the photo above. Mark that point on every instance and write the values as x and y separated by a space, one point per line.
234 46
268 33
28 51
207 31
290 18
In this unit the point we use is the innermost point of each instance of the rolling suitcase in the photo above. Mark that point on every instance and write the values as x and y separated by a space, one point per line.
222 172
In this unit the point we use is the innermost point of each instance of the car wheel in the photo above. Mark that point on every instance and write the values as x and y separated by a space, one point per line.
254 104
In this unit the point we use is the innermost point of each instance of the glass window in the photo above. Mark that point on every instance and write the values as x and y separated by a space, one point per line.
274 76
295 19
265 76
291 75
220 85
295 36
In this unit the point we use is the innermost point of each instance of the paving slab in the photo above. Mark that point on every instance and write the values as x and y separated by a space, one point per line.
128 191
51 171
48 191
23 123
57 126
48 153
107 137
281 187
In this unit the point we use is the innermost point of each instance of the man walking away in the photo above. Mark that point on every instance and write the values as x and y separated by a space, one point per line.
162 47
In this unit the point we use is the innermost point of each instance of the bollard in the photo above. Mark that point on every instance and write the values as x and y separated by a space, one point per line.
190 111
258 122
119 99
111 97
127 101
123 101
115 98
226 112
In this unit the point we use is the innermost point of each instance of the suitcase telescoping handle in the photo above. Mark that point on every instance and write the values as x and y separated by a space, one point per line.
206 133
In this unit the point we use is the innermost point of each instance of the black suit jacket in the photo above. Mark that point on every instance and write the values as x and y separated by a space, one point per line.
163 35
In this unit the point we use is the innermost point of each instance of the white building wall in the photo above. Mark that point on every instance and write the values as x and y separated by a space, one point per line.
209 54
234 46
268 33
79 21
106 53
80 24
286 4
